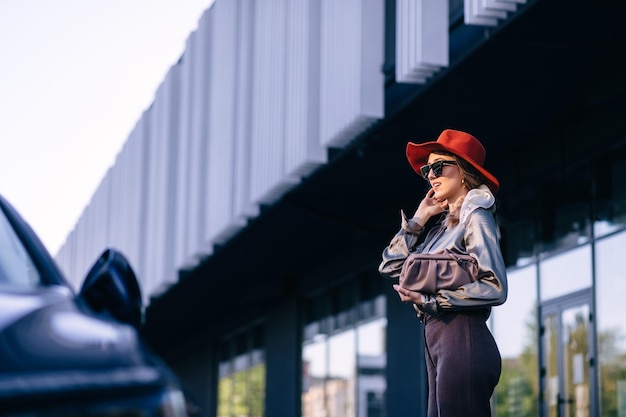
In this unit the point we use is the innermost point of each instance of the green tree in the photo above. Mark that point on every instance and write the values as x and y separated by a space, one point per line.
517 392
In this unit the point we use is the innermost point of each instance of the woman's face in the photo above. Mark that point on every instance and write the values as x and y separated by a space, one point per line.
448 185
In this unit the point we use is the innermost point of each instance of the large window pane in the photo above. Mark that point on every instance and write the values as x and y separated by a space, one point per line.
340 386
314 371
566 273
224 390
565 212
344 358
610 171
371 365
241 379
256 387
610 324
240 404
515 330
517 219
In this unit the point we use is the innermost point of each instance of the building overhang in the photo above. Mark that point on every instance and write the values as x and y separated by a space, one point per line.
547 65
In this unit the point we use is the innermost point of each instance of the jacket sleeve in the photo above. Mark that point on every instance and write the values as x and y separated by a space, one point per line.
400 247
490 287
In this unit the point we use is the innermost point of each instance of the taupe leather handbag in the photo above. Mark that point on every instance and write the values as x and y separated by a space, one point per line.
429 272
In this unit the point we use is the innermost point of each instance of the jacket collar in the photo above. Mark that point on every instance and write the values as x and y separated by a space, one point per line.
480 197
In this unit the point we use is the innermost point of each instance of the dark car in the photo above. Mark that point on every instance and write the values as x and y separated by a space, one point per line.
63 354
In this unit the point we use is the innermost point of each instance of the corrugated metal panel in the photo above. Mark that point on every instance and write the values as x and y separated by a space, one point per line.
243 206
101 220
487 12
352 96
421 39
146 269
262 90
65 257
170 129
79 249
91 233
267 181
303 150
159 271
200 71
122 225
144 139
131 163
183 223
221 155
116 203
94 236
69 267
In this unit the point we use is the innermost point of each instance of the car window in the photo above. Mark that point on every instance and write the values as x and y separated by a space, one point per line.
16 266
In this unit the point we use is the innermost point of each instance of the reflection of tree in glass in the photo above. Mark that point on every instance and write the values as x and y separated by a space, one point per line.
577 345
257 390
517 392
242 393
239 398
224 394
612 361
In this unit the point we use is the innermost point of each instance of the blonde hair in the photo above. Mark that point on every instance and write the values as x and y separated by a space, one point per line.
471 179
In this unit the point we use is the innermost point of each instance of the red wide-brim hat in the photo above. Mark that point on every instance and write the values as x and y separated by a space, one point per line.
460 144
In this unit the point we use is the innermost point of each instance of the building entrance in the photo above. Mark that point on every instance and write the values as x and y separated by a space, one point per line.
568 356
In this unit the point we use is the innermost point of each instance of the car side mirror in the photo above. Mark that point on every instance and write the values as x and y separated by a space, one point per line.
111 288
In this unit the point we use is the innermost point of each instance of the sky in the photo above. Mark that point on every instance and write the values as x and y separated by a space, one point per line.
75 77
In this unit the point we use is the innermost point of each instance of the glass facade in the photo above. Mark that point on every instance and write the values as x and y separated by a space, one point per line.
561 332
343 355
514 325
610 281
565 273
241 383
611 328
610 198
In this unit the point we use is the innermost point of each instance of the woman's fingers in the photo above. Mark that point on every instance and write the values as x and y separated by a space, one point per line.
406 295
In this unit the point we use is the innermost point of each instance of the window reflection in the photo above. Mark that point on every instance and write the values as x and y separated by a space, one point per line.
540 219
575 351
16 266
241 383
314 372
520 239
517 219
371 365
340 385
551 368
565 212
343 370
611 194
611 328
224 390
515 329
566 273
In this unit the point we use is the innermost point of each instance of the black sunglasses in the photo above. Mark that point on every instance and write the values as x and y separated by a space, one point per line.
437 167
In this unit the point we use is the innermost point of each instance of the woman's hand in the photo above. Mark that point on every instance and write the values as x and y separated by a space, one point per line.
429 207
408 296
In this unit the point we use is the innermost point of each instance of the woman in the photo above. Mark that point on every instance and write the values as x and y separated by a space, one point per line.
462 359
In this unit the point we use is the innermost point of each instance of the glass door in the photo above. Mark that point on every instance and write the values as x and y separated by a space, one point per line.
567 360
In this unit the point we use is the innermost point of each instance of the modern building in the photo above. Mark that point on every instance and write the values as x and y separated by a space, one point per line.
255 195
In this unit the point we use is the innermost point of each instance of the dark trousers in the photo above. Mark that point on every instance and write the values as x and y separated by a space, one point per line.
463 364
